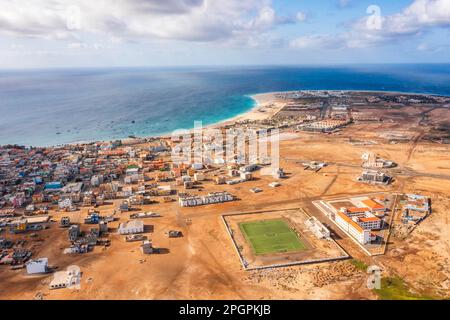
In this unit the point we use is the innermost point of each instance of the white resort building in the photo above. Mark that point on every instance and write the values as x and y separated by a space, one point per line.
360 221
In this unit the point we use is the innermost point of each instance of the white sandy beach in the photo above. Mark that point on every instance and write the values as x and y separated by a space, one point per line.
266 106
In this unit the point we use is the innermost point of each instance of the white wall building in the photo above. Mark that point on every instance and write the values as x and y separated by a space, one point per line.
370 223
246 176
66 279
129 179
132 171
199 176
66 203
96 180
319 230
353 228
37 266
249 168
131 227
278 173
211 198
197 166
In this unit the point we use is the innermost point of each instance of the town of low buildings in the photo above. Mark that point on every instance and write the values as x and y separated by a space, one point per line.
36 181
328 125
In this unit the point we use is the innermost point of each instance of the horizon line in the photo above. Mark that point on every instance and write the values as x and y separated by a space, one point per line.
205 66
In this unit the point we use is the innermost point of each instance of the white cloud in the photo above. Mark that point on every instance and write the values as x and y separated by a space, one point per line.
91 46
190 20
15 46
429 12
266 17
344 3
432 48
415 19
316 41
301 16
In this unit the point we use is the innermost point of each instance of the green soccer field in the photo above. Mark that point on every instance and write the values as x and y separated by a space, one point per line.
271 236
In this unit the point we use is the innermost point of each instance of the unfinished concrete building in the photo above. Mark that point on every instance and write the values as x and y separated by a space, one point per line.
147 247
371 160
74 232
65 222
316 227
375 177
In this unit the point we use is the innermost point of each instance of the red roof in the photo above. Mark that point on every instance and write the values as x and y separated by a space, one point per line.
350 221
373 205
357 210
369 219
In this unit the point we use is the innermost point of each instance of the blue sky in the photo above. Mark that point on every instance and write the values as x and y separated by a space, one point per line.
109 33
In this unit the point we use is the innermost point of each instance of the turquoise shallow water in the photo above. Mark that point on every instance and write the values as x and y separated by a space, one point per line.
48 107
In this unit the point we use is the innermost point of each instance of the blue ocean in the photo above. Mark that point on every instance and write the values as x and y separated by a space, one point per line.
50 107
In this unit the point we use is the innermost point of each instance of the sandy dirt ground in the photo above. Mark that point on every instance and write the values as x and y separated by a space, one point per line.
203 263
